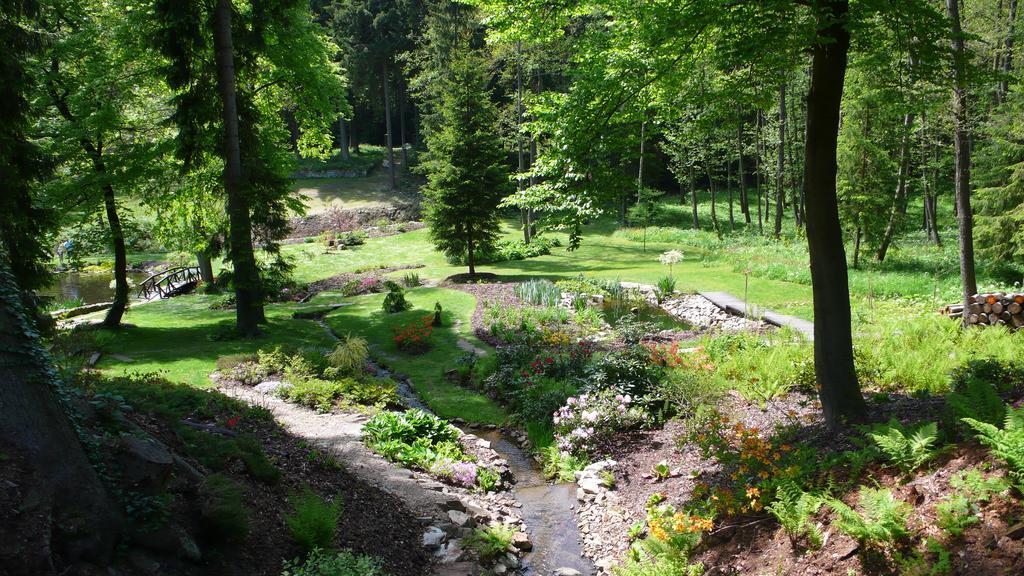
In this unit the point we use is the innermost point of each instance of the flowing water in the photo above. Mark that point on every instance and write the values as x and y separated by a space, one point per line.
547 511
90 288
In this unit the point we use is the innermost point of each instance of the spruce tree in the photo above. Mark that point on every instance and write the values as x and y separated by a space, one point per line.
465 165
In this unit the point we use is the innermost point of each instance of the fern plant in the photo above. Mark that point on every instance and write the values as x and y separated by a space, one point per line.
907 448
976 399
794 509
1006 443
882 518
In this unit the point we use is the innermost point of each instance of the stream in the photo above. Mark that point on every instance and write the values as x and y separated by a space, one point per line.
547 509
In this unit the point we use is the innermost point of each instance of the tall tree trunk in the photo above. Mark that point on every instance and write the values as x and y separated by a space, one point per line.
858 235
839 390
343 138
757 171
387 126
962 153
693 198
246 279
1007 56
524 213
899 201
401 122
116 310
470 253
728 184
780 169
714 201
94 151
744 199
205 264
63 491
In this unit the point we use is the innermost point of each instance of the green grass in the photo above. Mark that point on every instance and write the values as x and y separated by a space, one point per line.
173 337
365 318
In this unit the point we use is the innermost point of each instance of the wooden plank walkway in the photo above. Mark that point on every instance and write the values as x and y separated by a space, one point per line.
737 307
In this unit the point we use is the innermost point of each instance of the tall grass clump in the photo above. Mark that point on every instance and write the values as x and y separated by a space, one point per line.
538 292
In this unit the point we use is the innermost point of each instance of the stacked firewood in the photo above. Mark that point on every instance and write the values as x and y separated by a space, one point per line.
995 308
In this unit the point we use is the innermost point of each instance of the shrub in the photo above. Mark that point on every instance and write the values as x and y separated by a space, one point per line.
586 421
628 371
561 466
882 519
414 337
794 509
407 427
349 356
411 280
321 395
313 521
680 530
1001 375
490 542
394 300
224 518
1006 443
538 292
907 449
344 563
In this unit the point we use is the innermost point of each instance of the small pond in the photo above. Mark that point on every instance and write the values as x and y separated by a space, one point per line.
90 287
615 309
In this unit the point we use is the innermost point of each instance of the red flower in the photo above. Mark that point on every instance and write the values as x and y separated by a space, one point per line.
549 360
233 421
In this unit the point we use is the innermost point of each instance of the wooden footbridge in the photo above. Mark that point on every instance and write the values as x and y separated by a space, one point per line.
170 282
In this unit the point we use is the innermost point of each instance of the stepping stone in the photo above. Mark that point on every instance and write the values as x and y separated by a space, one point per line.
122 358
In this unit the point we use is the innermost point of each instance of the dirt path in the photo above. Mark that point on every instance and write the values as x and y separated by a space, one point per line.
339 435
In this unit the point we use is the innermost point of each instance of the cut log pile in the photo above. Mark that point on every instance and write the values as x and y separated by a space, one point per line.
991 309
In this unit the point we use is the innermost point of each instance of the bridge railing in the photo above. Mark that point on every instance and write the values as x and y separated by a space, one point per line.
164 283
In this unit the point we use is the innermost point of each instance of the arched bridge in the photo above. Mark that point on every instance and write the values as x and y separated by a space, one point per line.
170 282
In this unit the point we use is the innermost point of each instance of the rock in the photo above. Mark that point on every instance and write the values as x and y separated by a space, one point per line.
566 572
521 540
145 464
91 363
590 485
433 537
271 386
478 512
511 560
581 494
454 504
143 564
1016 532
500 569
483 443
460 519
449 553
122 358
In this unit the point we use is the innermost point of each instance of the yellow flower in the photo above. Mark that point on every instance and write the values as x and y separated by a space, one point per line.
753 492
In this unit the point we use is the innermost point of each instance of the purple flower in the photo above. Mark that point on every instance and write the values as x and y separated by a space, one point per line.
464 473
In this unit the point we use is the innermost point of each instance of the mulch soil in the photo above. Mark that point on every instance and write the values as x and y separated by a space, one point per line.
756 544
486 293
372 521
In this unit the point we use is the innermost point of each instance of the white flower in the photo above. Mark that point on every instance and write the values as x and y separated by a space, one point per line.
671 257
590 416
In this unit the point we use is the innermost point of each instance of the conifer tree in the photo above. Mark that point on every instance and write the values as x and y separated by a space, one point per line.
466 175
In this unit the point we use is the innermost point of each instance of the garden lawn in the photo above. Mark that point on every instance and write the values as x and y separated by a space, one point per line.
175 338
426 371
601 255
